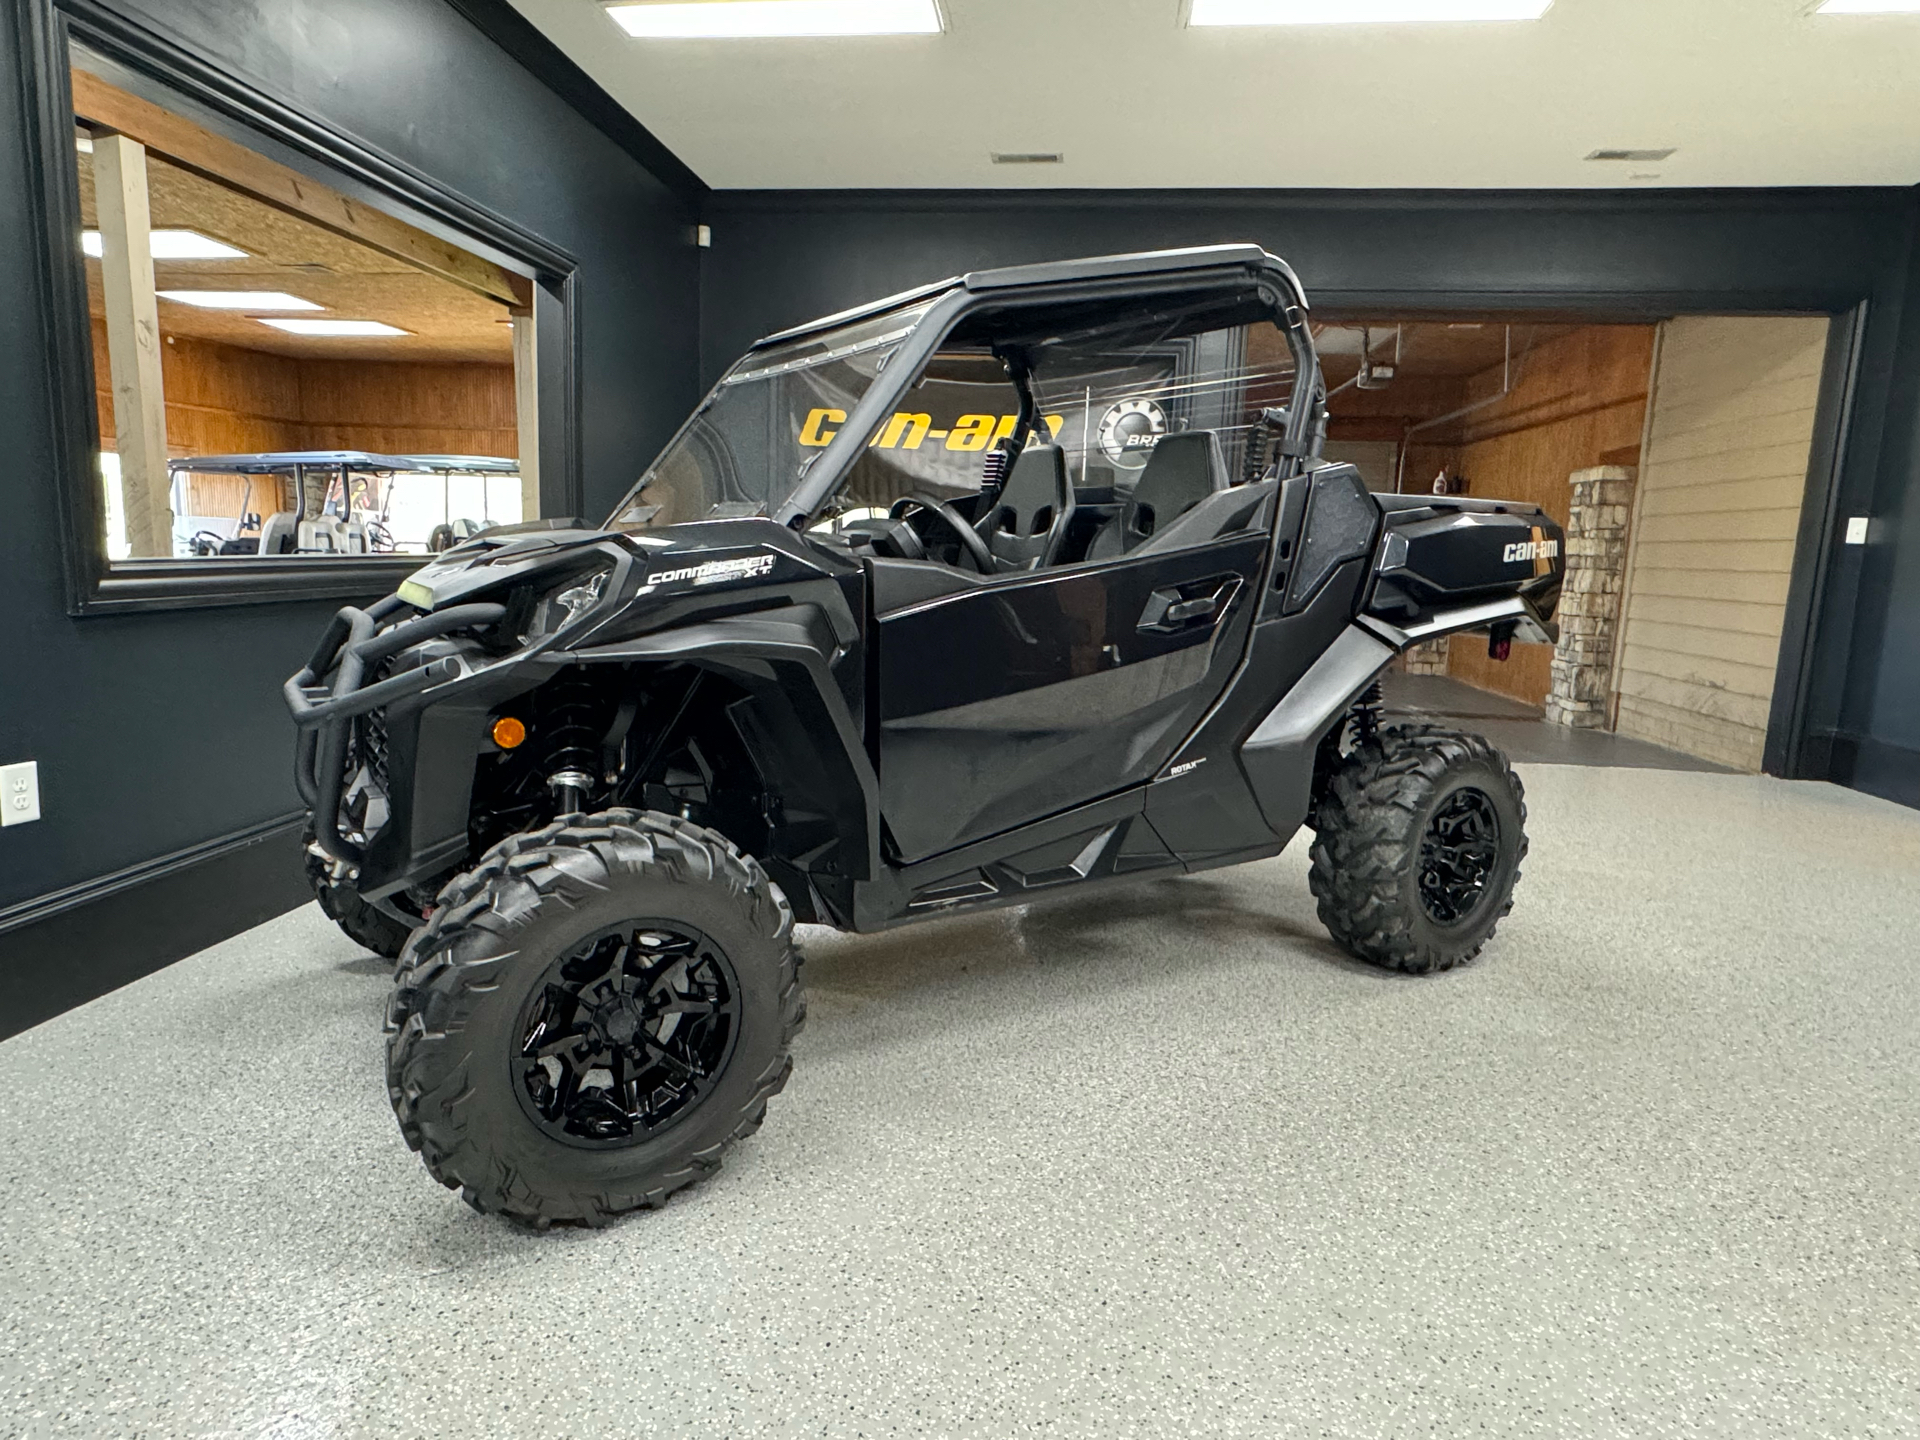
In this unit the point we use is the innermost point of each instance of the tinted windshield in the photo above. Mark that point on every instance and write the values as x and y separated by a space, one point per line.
745 448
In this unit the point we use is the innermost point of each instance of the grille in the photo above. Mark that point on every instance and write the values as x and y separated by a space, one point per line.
371 741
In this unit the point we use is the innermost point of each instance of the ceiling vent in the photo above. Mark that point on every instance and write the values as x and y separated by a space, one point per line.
1027 157
1640 156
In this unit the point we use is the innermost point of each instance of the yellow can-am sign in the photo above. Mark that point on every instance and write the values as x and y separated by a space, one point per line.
909 431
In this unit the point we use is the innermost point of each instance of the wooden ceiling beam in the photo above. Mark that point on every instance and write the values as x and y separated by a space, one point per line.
193 148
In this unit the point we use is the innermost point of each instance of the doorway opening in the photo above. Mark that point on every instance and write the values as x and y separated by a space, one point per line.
1675 453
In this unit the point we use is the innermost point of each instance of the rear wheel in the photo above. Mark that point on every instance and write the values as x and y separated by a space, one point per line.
592 1016
1419 838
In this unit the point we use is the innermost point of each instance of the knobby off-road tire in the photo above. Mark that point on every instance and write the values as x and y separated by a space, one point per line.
457 1024
1391 887
364 925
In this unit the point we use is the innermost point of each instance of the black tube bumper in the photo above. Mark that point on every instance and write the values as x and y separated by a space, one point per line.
329 692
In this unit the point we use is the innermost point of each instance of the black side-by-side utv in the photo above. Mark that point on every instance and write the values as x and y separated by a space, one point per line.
1021 583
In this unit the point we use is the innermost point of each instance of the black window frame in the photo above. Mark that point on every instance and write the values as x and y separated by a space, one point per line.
150 66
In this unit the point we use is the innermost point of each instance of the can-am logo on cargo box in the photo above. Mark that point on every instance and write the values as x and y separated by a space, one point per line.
1530 550
747 567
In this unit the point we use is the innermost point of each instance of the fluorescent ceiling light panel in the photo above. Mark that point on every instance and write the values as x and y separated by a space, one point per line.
1360 12
171 245
751 19
240 299
1870 7
333 327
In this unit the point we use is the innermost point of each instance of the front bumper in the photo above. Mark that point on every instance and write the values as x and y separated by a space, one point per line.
349 723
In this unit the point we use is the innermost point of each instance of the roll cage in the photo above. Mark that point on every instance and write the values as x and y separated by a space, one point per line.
1106 282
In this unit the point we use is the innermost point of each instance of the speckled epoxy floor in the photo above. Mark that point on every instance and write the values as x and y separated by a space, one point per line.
1153 1162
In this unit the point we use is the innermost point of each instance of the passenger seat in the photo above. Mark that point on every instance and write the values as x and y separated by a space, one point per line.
1184 469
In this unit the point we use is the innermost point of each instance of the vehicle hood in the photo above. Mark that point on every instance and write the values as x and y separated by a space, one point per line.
700 555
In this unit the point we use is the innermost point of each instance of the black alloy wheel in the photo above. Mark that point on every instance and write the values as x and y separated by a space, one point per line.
1419 835
1458 854
626 1034
592 1016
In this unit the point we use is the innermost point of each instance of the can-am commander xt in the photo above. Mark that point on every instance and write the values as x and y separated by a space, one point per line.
1021 583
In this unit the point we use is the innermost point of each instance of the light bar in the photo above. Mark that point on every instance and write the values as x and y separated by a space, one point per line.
240 299
171 245
757 19
1870 7
1361 12
333 327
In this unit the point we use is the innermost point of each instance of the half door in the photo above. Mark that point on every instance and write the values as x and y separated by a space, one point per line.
1010 701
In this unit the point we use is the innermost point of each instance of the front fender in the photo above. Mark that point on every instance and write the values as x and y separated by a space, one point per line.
810 747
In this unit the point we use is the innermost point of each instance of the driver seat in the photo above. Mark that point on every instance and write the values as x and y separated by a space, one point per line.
1029 518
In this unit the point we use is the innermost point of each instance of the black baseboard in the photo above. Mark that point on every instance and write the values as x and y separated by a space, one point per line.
65 949
1862 763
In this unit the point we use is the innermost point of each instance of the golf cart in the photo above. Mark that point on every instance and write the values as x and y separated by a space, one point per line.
341 501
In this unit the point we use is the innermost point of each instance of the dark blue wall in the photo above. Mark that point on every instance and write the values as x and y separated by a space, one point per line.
159 732
781 257
1881 741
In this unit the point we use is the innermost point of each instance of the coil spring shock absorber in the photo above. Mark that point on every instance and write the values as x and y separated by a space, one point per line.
993 471
1360 724
1367 710
572 708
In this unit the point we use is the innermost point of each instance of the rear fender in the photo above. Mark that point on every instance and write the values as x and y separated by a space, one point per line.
1280 755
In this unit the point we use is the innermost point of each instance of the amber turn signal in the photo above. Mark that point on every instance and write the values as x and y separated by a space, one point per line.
508 733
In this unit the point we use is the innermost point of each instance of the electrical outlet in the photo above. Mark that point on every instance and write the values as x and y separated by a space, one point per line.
19 793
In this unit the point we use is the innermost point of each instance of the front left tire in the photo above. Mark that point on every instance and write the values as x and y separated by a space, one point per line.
592 1016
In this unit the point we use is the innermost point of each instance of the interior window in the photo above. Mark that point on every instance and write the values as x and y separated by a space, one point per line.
282 371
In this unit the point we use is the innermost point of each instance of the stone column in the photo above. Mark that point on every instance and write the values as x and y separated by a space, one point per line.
1429 657
1589 613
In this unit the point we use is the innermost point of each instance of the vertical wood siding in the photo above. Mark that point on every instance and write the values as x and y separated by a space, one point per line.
1719 503
1581 401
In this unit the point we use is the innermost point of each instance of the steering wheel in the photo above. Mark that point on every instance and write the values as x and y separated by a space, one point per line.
971 545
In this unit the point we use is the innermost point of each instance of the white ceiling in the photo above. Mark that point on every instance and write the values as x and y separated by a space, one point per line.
1753 92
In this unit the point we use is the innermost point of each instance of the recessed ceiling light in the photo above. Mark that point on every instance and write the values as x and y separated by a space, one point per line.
751 19
1027 157
333 327
1360 12
1642 156
240 299
171 245
1870 7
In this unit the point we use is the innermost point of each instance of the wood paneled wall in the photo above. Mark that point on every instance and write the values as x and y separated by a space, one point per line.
1580 401
1718 515
408 408
224 400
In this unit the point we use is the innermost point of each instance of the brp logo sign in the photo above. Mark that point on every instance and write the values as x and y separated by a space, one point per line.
1130 430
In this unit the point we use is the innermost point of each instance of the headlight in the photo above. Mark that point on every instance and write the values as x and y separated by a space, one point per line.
567 602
